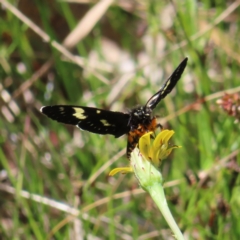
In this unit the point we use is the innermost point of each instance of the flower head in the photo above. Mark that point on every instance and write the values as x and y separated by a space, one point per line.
231 104
151 150
157 150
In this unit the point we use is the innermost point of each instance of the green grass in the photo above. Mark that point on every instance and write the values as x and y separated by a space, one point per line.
54 178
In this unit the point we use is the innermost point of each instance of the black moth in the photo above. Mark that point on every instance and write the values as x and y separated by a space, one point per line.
135 123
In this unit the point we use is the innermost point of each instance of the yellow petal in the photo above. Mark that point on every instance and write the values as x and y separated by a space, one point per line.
155 157
162 138
121 170
160 147
144 144
168 136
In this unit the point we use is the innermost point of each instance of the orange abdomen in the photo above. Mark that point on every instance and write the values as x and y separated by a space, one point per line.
134 136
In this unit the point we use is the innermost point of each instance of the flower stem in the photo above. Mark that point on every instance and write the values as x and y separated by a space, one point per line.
157 193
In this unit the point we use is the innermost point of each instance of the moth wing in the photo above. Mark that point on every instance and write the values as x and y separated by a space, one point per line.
94 120
167 86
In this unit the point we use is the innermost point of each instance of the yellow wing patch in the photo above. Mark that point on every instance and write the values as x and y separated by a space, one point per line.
79 113
105 122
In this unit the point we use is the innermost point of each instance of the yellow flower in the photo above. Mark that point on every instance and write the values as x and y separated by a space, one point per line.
153 151
158 150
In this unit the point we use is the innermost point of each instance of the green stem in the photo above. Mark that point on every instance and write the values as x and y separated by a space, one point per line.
157 193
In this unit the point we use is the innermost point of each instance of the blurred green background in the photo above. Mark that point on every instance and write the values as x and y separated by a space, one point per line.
116 55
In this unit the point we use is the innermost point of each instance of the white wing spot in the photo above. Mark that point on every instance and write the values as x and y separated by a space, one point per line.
98 111
41 109
79 113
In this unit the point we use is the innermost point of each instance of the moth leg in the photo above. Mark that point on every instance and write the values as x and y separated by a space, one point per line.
160 126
